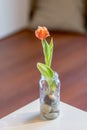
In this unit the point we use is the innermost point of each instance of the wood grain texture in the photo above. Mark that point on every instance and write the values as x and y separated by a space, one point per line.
19 76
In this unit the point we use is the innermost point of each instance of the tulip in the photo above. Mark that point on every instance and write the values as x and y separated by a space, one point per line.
42 33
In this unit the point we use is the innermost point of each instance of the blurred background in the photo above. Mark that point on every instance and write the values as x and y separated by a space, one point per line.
20 50
13 16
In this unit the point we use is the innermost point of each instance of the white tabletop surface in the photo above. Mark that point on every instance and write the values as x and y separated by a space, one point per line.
28 118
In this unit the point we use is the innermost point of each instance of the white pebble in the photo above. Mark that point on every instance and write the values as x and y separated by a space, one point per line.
55 108
52 97
51 115
45 108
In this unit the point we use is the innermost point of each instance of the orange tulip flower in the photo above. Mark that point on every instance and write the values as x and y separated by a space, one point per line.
42 33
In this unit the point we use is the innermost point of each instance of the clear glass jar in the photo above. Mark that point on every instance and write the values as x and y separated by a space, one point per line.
49 97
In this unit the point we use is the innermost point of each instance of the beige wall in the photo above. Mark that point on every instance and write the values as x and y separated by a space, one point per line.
13 16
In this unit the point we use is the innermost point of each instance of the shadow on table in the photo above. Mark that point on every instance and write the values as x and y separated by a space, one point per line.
22 118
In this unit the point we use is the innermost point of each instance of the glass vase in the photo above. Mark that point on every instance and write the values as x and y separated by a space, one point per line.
49 97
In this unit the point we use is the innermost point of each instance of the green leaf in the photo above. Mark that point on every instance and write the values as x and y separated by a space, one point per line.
48 73
48 51
52 85
45 70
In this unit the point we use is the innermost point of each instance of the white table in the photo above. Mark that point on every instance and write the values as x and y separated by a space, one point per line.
27 118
